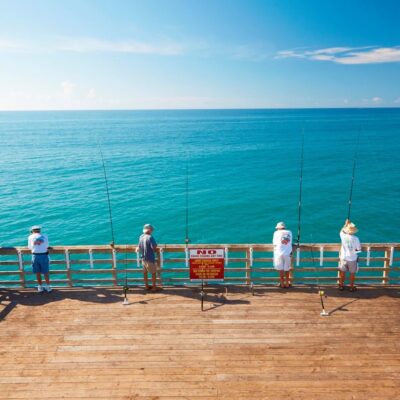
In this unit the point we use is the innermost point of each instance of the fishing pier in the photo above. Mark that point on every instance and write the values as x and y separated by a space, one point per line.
81 342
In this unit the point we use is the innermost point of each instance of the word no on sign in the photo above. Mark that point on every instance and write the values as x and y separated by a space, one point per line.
206 264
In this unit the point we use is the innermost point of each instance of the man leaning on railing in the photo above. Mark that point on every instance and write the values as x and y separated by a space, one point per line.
38 243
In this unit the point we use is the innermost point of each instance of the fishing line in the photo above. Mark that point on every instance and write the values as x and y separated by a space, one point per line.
126 287
300 187
187 239
353 175
108 195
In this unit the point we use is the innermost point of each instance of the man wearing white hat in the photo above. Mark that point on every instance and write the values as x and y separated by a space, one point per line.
147 249
38 243
349 251
282 242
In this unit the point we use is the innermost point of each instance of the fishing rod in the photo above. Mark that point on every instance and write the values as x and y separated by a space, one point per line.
321 293
300 187
187 239
108 196
125 287
353 175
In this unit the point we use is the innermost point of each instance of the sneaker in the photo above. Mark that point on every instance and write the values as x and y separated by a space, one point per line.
47 288
40 288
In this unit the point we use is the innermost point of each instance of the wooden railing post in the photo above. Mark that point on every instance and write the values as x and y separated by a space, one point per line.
160 264
114 266
91 258
21 268
68 267
387 264
249 265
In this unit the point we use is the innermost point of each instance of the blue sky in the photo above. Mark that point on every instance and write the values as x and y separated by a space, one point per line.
151 54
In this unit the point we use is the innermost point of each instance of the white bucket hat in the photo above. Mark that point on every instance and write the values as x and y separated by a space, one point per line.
280 225
36 228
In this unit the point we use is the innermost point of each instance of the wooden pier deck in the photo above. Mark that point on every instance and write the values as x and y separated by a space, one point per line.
84 344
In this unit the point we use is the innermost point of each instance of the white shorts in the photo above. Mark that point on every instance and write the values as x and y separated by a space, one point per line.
282 263
351 266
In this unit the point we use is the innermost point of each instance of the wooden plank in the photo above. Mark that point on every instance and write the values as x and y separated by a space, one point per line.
271 345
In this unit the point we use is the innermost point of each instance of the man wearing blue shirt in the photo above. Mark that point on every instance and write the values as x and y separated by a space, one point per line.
147 249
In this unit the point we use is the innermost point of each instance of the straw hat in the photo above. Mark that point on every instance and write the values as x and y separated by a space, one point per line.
148 228
351 229
280 225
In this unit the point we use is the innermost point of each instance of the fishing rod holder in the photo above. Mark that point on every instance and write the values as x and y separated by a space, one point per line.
324 313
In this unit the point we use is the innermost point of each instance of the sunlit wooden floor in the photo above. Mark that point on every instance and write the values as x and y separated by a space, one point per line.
84 344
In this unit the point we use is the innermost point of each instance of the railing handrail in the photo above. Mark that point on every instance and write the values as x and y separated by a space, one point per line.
237 246
244 263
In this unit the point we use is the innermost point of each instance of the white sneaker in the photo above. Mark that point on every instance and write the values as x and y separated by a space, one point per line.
40 288
47 288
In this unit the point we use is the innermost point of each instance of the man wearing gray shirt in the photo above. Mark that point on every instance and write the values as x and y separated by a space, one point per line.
147 248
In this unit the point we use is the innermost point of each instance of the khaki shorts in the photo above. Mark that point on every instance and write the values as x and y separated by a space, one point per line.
150 266
351 266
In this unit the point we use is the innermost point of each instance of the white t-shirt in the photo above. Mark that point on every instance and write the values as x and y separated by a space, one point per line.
282 242
350 247
38 243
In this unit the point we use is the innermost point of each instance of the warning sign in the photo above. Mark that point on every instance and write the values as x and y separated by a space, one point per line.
206 264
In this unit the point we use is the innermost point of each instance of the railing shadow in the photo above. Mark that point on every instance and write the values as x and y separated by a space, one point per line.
216 295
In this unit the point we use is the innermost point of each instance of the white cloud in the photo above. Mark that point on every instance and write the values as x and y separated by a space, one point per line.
377 100
6 44
93 45
248 52
92 93
373 101
90 45
347 55
67 88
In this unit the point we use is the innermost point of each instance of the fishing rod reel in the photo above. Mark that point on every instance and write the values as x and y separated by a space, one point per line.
125 289
322 295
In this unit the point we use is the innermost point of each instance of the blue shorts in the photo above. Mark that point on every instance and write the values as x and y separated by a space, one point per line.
40 263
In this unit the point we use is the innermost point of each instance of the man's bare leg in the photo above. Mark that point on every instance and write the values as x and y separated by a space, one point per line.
352 278
282 278
287 276
146 281
39 278
342 277
153 282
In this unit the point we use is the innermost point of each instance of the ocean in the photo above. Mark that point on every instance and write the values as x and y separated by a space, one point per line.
242 167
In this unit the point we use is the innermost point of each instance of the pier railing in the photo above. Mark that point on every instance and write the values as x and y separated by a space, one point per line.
244 264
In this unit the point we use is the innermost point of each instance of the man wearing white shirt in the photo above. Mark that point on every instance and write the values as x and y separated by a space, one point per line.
282 242
349 251
38 243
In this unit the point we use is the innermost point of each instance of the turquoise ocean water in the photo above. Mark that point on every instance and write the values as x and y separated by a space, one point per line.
243 174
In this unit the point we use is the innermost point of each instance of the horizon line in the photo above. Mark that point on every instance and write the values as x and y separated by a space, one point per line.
201 109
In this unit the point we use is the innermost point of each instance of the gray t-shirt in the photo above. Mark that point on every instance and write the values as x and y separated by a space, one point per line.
147 245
